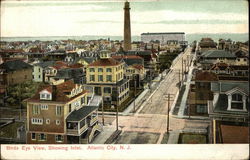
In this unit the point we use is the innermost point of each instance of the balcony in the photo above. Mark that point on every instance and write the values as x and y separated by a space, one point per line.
77 128
93 120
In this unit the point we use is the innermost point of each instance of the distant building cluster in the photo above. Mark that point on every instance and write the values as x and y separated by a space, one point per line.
220 89
163 38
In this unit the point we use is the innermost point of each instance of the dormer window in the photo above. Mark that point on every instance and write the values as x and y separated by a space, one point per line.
237 100
45 95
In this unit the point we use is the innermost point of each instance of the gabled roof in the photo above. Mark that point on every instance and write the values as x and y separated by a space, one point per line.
105 62
15 65
222 105
89 59
59 92
217 54
220 66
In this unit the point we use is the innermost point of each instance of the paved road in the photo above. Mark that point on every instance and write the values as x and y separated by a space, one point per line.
149 123
151 117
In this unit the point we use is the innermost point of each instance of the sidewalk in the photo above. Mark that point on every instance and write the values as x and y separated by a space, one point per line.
104 135
185 94
173 137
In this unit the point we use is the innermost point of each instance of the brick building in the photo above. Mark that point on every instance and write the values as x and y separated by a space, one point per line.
62 114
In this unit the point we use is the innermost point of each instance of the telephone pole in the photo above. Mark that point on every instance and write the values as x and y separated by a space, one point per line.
102 109
181 70
179 79
117 107
134 92
168 113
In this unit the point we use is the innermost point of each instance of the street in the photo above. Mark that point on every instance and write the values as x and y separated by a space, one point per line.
149 123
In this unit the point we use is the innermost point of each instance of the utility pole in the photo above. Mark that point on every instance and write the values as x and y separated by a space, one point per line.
117 107
134 92
102 109
189 111
185 65
179 79
181 70
168 113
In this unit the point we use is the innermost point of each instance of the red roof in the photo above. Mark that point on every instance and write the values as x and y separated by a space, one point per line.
105 62
234 134
77 65
138 66
60 92
127 56
59 65
221 66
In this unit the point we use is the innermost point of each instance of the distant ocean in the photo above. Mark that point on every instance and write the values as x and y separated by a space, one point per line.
189 37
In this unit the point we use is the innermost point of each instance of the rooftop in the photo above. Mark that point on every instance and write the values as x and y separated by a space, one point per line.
206 76
60 92
105 62
217 54
81 113
15 65
162 33
234 134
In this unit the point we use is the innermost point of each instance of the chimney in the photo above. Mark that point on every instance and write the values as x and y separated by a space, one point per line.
53 92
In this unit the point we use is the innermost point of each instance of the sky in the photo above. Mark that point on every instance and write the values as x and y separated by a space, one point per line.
101 18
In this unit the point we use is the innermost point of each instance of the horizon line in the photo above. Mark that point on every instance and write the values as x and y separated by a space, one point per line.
110 35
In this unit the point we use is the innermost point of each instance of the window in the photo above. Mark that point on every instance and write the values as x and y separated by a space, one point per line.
58 110
100 78
108 70
237 102
44 106
109 78
42 137
59 138
100 70
107 90
36 109
69 107
92 77
47 121
45 96
36 121
201 108
236 97
92 69
83 100
48 96
39 70
57 122
33 136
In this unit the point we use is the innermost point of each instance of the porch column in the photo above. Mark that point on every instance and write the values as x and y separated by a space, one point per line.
244 98
229 102
78 126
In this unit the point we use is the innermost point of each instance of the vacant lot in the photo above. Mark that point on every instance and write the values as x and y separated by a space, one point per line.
137 138
189 138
